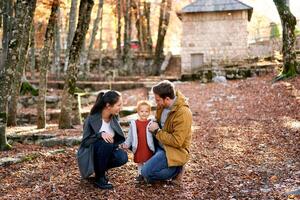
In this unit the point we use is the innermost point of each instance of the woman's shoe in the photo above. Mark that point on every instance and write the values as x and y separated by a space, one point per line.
103 184
105 177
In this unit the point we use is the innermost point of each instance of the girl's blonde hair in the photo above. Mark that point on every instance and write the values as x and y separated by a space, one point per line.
143 103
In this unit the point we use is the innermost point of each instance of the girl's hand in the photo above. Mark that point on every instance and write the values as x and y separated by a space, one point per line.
153 126
107 137
124 146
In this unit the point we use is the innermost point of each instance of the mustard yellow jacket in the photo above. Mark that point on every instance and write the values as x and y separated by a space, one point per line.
176 134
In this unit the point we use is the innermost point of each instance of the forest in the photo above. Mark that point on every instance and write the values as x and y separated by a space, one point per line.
56 56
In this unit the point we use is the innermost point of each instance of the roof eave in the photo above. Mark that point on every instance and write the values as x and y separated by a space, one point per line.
250 11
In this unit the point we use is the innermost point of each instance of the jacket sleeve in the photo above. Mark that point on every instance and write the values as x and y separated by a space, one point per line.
128 140
89 136
181 129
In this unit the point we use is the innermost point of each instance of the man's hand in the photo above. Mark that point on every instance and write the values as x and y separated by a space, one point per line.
153 126
107 137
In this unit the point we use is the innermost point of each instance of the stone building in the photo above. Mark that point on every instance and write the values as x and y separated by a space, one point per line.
214 33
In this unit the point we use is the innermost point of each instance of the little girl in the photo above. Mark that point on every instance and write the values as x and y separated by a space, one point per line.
139 139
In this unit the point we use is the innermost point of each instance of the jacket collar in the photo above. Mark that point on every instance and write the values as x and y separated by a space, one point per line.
96 123
179 101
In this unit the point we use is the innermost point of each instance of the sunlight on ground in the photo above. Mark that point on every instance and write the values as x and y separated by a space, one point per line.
232 139
233 145
291 123
28 129
195 128
238 141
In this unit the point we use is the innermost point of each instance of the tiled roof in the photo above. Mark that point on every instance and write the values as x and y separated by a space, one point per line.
215 6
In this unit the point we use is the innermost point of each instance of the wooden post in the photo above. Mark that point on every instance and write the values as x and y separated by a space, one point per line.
77 120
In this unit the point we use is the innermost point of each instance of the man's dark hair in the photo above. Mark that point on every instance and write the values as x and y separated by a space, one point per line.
164 89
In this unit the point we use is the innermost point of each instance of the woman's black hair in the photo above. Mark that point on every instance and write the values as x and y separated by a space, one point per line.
111 97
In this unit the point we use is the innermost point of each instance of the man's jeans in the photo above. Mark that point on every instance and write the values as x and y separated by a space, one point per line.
156 168
107 156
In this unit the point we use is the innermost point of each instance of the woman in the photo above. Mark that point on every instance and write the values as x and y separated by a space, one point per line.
102 135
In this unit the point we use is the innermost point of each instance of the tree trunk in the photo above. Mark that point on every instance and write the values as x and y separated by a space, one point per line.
288 22
83 60
7 24
164 18
19 71
1 13
139 25
143 26
66 28
119 29
287 3
95 30
127 31
100 40
85 9
32 51
7 70
72 27
149 43
56 67
41 103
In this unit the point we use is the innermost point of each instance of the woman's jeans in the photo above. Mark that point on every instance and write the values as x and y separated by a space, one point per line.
156 168
107 156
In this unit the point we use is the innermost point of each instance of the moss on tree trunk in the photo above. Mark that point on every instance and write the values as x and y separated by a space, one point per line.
41 107
11 60
85 9
16 83
288 22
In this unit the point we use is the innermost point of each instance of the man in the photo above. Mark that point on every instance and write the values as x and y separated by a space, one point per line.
173 131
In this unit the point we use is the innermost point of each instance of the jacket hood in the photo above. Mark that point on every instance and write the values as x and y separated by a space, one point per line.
180 101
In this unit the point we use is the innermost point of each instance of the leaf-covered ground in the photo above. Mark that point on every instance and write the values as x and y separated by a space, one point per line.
246 143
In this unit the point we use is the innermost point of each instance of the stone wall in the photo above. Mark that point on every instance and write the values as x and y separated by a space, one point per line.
221 37
230 73
264 48
267 48
298 42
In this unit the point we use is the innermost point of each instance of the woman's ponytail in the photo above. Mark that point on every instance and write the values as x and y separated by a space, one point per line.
111 97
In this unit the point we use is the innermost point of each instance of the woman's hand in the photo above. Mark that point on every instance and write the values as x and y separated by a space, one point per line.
107 137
